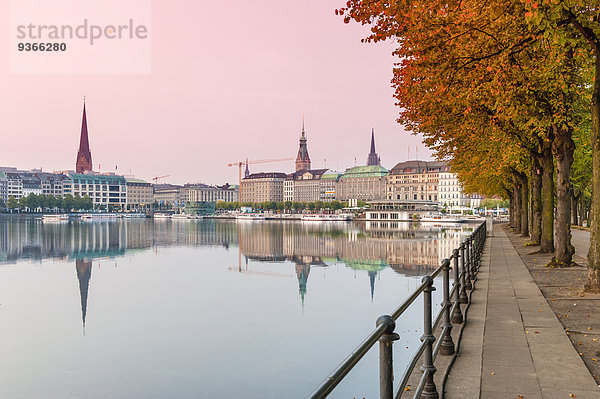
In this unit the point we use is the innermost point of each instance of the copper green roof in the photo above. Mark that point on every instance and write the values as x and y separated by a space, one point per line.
2 175
93 178
134 180
366 171
331 176
374 265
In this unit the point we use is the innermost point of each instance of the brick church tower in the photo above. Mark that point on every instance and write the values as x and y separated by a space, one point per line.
302 160
84 156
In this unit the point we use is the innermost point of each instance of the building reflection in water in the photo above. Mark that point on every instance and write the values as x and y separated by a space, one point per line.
84 272
408 249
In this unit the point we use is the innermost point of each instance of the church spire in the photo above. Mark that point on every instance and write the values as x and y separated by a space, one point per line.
84 156
302 160
373 158
247 171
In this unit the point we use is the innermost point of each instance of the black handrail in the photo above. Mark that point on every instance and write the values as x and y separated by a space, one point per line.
469 254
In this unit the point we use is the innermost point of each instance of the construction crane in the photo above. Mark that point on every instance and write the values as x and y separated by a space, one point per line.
246 162
157 178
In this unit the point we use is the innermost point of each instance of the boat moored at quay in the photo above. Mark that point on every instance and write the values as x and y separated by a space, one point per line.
425 212
99 216
399 210
250 216
55 218
440 218
323 217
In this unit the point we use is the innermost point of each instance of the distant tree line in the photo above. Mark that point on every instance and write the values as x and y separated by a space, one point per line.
34 202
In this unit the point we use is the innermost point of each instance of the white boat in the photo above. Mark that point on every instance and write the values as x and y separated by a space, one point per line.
440 219
55 218
250 216
473 218
99 216
134 215
321 217
162 216
180 216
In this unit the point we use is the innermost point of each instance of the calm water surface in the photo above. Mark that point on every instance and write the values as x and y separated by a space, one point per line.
204 309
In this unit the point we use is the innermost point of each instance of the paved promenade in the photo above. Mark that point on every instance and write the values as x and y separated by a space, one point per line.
513 345
581 241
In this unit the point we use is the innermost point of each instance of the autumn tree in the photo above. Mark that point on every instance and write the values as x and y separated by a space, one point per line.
467 67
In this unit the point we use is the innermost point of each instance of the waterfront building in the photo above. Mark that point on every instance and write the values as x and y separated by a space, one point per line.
262 187
302 159
3 187
167 194
328 186
104 189
140 193
53 183
452 195
415 180
31 184
203 208
84 156
365 183
197 192
18 183
303 186
14 185
373 158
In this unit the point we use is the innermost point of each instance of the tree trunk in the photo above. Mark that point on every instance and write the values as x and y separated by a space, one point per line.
563 148
574 206
517 197
524 205
511 208
547 240
536 202
593 281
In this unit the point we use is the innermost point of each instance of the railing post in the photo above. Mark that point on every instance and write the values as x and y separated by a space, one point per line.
447 346
473 257
429 390
386 368
463 292
476 250
467 269
457 316
482 238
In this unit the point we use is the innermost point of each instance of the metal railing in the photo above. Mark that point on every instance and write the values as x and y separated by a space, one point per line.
469 253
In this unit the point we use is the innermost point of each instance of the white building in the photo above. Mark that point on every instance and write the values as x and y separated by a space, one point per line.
304 186
452 196
103 189
14 185
3 187
199 192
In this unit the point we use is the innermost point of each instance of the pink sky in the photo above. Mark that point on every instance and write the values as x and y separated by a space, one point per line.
229 80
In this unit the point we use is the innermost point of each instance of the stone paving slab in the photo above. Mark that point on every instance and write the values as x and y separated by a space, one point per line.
521 347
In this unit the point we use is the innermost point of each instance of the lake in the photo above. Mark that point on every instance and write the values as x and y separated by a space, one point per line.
205 309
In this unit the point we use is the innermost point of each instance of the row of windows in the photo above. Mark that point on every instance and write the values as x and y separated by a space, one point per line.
392 216
421 197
